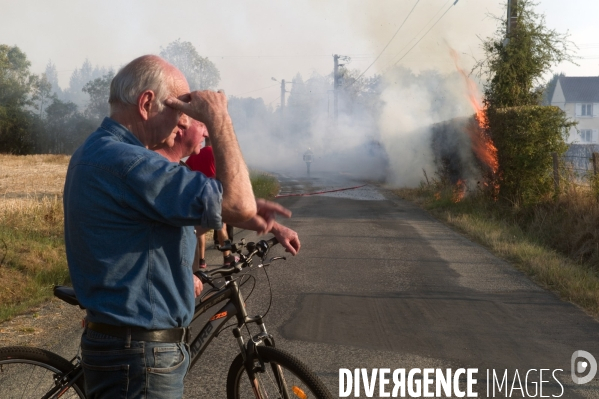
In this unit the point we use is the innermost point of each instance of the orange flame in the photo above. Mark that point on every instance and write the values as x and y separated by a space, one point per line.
482 145
459 191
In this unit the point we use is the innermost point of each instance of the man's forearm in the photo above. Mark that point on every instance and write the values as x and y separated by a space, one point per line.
239 204
210 108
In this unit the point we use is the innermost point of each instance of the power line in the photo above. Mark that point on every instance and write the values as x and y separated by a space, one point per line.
422 37
423 28
275 99
387 45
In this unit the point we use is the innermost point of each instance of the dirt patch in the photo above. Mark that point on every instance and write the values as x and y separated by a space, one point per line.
41 325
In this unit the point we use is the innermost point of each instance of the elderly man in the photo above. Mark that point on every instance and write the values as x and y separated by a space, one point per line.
129 238
189 142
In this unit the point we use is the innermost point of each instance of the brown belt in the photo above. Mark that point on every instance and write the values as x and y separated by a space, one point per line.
173 335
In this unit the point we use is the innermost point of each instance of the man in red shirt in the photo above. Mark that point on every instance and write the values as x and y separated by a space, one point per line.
204 162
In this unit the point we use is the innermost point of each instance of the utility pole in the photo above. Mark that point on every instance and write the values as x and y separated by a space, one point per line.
282 96
512 16
337 81
512 20
283 91
336 85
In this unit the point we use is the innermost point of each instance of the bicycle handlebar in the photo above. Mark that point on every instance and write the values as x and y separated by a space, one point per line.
260 248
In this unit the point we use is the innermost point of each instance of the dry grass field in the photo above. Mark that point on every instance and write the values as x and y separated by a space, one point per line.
32 175
32 256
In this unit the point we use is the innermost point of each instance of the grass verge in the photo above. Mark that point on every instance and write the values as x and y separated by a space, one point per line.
501 230
265 185
32 253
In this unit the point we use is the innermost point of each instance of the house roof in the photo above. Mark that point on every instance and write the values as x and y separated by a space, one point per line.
580 88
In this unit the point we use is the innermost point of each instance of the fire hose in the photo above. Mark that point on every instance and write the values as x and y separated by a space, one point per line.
319 192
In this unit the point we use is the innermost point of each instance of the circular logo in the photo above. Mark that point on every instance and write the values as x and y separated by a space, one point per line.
579 366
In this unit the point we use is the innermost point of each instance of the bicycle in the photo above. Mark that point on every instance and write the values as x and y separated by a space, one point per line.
270 371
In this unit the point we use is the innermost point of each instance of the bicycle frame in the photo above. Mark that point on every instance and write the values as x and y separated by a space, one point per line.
233 308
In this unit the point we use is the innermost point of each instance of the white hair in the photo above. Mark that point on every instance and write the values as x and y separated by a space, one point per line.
141 74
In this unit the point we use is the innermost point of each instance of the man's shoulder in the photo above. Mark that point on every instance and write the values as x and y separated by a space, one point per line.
106 151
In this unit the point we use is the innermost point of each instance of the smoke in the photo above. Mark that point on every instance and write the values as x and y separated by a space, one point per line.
384 129
405 133
349 144
413 104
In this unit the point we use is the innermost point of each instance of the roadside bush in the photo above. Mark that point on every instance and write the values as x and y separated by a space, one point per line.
525 137
264 185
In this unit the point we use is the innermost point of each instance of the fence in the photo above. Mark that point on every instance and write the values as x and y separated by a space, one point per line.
581 162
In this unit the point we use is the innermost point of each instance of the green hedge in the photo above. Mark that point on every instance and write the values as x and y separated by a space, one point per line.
525 137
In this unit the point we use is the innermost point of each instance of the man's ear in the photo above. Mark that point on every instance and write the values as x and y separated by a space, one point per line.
145 104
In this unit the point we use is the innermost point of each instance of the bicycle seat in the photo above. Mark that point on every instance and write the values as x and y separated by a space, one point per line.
67 294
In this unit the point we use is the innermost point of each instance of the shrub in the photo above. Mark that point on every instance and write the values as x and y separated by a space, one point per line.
525 137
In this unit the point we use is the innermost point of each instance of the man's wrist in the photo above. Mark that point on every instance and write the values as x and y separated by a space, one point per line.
218 126
275 228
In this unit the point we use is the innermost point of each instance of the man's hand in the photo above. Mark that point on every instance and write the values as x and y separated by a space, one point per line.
268 211
197 286
287 238
206 106
265 217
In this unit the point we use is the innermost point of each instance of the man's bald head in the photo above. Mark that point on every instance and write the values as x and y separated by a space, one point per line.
148 72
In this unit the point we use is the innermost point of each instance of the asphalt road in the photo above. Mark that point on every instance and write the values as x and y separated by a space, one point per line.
380 284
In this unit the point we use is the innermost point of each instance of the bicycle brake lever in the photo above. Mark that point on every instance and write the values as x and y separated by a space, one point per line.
204 278
272 260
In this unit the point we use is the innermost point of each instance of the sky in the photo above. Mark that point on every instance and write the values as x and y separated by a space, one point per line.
251 42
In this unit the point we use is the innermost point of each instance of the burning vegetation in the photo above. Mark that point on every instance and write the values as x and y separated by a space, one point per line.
464 152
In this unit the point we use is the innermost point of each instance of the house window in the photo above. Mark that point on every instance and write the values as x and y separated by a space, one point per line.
587 110
586 135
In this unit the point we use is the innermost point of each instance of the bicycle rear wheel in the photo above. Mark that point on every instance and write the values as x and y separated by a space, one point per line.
31 373
284 377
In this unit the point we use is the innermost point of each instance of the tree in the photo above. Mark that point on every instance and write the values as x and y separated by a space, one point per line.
65 127
200 72
41 93
524 133
15 87
516 63
15 131
15 78
99 91
52 76
79 78
360 94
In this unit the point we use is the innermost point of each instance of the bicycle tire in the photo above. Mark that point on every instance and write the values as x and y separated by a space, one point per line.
30 373
294 373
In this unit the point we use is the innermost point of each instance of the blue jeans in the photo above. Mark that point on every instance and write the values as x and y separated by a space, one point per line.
120 368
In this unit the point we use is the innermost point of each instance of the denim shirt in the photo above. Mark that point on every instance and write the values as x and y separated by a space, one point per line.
129 217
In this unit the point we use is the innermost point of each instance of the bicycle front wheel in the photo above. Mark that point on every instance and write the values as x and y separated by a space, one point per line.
32 373
284 377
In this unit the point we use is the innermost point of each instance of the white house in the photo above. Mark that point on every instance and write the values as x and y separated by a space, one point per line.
578 96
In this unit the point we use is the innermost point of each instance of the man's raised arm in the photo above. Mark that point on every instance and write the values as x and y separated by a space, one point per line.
210 108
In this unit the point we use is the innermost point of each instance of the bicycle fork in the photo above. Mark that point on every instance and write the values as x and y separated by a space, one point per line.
254 365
